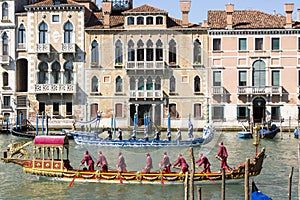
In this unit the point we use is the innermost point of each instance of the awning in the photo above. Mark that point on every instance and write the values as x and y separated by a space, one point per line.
51 140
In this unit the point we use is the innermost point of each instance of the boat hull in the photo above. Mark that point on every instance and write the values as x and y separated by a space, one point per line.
244 134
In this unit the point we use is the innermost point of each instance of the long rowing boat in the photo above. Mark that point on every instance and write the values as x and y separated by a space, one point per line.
50 161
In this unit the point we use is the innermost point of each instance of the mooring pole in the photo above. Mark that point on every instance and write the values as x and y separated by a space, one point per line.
199 192
247 197
290 184
192 174
186 186
223 184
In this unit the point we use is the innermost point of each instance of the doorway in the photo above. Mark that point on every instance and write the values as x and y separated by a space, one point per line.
259 109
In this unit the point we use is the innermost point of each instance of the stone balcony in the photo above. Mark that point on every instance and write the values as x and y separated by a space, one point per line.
54 88
68 48
146 94
145 65
43 48
260 90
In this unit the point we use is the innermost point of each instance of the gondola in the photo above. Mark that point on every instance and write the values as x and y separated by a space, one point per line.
258 195
50 161
269 133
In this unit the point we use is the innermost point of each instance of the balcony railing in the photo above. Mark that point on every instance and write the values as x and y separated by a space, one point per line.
218 90
145 65
4 59
43 48
68 48
146 94
54 88
259 90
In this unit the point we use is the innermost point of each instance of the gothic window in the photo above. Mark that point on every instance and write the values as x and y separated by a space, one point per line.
149 84
5 11
43 73
172 84
172 52
131 51
149 51
21 34
132 83
140 51
158 83
119 84
159 51
5 44
119 52
141 83
43 30
197 86
55 74
95 84
68 74
95 52
197 52
68 31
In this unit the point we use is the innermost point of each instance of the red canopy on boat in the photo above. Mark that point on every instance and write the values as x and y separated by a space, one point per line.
51 140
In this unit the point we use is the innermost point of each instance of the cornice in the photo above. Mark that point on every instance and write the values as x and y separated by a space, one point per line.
54 8
255 32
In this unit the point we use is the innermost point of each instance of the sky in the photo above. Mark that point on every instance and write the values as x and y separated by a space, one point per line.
199 8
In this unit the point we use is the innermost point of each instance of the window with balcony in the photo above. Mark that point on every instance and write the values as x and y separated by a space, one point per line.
5 11
21 34
259 44
140 21
242 44
55 73
42 106
197 85
43 73
197 52
55 108
94 53
159 20
119 110
5 44
131 51
158 83
173 111
43 31
149 51
149 83
217 78
259 74
275 44
119 53
130 20
119 84
6 101
217 44
149 20
275 113
243 113
172 88
197 110
132 83
218 112
275 78
69 110
242 78
141 84
159 56
95 84
140 51
5 79
68 74
172 52
68 32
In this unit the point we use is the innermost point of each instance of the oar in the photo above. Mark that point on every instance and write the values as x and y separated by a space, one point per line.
214 182
71 183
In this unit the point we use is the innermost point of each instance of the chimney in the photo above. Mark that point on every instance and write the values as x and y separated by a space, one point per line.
288 8
229 8
205 23
185 6
106 10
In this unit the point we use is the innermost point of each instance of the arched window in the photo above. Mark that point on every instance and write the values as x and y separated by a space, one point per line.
158 83
140 20
259 73
172 88
132 83
197 86
140 51
159 20
43 73
197 52
119 52
43 30
68 31
55 74
131 51
149 20
119 84
141 83
68 75
130 21
5 44
159 51
5 11
21 34
172 52
149 84
149 51
95 53
95 84
5 79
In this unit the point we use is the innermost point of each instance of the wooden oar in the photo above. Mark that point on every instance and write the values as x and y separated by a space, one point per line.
71 183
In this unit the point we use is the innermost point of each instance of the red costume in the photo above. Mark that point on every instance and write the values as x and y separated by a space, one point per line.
102 162
88 160
149 165
222 153
121 163
204 161
181 163
166 163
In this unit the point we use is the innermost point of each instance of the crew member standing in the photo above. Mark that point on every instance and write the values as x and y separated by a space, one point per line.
88 160
181 163
222 154
166 163
102 162
203 161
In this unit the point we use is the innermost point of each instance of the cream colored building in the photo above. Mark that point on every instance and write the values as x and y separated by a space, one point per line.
254 59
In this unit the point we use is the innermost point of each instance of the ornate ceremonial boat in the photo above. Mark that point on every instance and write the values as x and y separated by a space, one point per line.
50 161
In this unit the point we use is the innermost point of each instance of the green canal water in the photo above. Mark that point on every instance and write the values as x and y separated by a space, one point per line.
282 155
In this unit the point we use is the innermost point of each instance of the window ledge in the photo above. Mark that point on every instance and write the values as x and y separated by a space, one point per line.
276 50
198 93
218 51
173 93
243 51
119 94
96 93
259 51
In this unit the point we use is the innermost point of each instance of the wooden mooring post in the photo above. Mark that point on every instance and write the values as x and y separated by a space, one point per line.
186 186
192 174
199 193
247 196
223 184
290 184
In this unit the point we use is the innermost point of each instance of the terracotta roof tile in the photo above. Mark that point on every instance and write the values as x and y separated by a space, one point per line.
246 19
145 9
51 3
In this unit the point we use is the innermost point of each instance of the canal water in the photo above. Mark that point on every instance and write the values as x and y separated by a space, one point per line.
282 155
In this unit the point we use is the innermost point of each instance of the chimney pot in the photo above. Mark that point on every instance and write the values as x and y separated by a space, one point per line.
185 6
288 8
